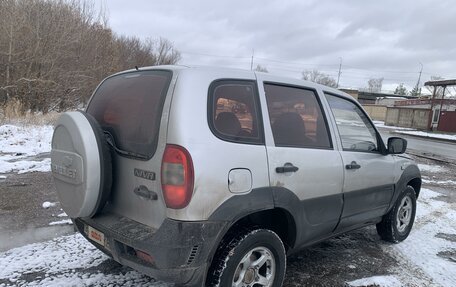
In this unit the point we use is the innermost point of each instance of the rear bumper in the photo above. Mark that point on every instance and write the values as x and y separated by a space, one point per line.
179 250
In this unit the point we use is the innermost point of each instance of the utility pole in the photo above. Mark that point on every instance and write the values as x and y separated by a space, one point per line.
418 83
340 68
251 61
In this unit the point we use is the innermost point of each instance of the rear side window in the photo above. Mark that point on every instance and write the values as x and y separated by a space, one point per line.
129 107
234 111
296 117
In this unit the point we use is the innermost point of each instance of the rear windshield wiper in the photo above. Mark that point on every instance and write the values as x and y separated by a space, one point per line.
112 143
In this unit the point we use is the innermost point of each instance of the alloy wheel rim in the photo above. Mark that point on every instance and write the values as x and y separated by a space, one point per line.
404 214
257 268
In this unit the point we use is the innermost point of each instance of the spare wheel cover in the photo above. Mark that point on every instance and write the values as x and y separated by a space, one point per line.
81 164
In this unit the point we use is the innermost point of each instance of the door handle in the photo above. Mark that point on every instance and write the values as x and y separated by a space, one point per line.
288 167
143 191
353 165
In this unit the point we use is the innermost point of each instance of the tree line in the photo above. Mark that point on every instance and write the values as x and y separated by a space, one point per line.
53 53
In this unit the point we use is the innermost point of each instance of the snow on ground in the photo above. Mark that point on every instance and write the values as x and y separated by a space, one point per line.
64 261
63 214
381 124
414 132
383 281
439 182
430 168
48 204
430 240
61 222
20 144
429 135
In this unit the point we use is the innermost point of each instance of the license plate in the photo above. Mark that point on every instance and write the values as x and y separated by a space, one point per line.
96 235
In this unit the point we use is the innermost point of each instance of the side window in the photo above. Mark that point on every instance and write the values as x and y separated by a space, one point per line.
296 117
355 129
234 111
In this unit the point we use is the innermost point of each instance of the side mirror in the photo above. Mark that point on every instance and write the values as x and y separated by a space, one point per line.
396 145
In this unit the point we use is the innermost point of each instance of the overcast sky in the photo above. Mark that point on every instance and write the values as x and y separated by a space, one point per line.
385 39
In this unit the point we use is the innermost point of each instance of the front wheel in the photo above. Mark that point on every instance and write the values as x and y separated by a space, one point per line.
252 258
397 223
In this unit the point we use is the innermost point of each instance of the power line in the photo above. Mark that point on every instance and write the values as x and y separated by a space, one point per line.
300 64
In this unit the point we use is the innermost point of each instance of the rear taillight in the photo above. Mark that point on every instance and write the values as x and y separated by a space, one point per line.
177 176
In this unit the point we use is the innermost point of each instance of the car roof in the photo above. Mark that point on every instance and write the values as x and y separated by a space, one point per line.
264 76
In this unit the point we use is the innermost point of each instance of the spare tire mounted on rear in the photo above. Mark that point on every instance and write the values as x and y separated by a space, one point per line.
81 164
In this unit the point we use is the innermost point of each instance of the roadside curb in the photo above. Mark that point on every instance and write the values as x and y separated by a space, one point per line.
424 137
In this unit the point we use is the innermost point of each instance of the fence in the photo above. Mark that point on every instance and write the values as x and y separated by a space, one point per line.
376 112
407 117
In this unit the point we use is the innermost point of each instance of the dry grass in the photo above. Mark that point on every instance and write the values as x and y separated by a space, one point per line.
12 114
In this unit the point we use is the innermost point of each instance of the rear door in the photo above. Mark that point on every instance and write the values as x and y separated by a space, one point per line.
369 175
302 159
130 109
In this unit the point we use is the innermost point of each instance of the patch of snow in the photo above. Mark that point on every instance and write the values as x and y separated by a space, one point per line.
430 168
2 176
381 124
23 166
439 182
63 214
381 281
65 261
427 204
48 204
19 145
420 250
61 222
430 135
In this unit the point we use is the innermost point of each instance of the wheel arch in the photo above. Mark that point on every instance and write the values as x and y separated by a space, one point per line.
278 220
416 184
255 209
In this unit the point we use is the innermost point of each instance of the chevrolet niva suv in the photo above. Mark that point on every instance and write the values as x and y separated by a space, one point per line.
210 176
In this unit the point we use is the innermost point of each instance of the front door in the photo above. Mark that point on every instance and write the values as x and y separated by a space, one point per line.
369 175
303 164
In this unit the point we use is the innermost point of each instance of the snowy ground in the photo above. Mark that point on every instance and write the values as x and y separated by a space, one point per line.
414 132
22 146
426 258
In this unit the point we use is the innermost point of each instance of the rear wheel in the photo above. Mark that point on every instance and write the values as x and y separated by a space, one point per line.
397 224
251 258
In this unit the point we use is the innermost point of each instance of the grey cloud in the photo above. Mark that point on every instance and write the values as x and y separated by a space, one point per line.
374 38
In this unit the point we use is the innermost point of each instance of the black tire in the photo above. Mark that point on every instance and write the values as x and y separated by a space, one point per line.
224 269
388 228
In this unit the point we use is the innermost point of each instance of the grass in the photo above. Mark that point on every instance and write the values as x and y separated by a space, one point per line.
12 114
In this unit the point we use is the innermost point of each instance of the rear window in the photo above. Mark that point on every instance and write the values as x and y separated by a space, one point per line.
129 107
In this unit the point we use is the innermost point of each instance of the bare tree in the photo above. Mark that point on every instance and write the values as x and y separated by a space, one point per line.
260 68
53 53
319 77
375 85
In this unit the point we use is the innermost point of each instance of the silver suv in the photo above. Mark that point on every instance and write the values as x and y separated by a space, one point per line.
209 176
